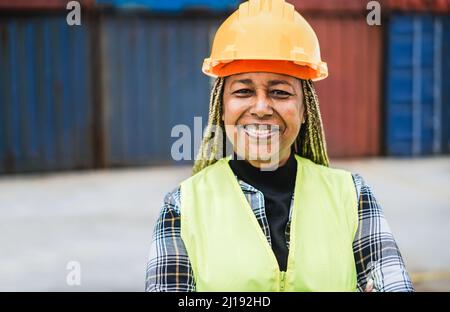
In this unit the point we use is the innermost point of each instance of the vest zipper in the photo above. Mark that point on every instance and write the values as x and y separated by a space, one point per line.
282 280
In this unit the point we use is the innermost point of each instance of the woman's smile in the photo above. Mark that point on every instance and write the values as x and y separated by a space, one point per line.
261 131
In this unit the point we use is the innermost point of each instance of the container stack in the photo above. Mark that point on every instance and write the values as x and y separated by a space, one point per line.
108 93
417 85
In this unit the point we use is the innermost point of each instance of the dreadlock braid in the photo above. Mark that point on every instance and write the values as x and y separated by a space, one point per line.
311 138
210 145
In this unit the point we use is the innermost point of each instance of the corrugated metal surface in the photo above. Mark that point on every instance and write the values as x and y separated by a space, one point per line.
329 6
322 6
418 5
415 85
350 98
152 81
446 87
45 96
358 6
40 4
173 5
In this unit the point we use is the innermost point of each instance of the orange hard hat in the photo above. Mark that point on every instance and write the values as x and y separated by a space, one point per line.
266 36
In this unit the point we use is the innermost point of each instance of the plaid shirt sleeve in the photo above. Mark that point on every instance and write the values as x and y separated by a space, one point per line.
168 268
375 250
376 253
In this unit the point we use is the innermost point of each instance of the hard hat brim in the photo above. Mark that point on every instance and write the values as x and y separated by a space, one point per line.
301 70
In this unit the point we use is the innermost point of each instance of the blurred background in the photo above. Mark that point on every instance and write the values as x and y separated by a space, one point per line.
86 113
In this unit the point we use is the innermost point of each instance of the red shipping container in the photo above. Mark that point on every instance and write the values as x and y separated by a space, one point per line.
442 6
350 97
354 6
329 6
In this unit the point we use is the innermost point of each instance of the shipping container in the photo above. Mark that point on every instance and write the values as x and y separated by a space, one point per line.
436 6
41 5
446 83
416 84
172 5
358 6
350 98
332 7
45 95
304 6
151 82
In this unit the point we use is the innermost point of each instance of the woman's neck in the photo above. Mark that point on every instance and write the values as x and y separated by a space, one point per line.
272 164
280 179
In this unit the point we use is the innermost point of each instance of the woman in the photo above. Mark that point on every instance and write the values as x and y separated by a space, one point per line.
272 216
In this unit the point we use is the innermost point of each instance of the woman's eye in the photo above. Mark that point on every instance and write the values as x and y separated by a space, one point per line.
281 93
243 92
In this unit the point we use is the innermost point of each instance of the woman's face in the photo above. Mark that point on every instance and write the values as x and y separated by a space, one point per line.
262 113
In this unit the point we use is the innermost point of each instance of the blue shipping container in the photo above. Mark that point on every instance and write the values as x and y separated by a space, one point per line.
173 5
45 95
446 83
151 82
416 84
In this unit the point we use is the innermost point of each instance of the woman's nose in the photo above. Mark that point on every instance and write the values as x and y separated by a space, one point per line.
262 107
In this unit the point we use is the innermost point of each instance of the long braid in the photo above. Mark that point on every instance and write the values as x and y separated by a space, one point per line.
311 138
210 145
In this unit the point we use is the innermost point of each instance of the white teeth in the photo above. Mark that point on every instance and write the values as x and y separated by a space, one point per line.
261 131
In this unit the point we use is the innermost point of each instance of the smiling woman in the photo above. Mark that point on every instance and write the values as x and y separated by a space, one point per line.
272 216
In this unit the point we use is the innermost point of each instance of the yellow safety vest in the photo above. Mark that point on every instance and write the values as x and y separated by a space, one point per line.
228 250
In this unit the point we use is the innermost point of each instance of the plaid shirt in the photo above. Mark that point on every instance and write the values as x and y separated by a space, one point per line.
375 250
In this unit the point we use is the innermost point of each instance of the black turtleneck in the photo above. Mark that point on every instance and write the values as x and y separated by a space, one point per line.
277 187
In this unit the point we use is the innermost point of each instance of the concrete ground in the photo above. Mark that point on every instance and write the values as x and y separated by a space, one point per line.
103 220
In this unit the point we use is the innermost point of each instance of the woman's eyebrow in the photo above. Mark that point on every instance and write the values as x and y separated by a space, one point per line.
244 81
277 82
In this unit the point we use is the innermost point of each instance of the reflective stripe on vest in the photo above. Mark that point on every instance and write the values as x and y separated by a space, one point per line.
228 250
